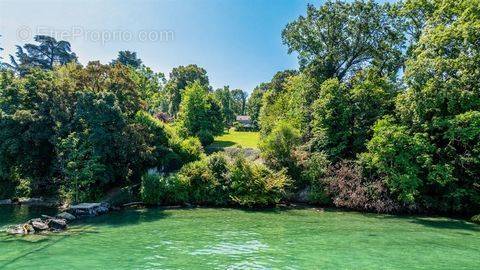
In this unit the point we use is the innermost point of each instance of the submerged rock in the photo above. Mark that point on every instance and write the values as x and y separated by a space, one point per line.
57 224
39 225
89 209
21 229
66 216
16 229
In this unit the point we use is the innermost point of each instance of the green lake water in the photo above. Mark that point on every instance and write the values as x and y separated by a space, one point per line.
207 238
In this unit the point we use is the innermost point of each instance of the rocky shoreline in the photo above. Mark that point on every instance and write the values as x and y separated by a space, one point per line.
47 224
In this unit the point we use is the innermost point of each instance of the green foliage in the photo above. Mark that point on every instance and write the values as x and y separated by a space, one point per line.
81 167
332 119
408 153
314 167
253 184
254 104
217 180
339 38
203 186
476 219
429 154
291 103
205 137
344 114
199 111
278 148
190 149
239 105
224 97
163 190
164 148
128 58
81 131
151 87
179 79
48 53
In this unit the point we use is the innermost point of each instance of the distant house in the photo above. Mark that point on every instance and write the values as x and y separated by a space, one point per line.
244 120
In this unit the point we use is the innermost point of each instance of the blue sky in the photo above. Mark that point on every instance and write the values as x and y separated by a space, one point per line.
238 42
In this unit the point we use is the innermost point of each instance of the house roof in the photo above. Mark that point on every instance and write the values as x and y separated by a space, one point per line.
243 118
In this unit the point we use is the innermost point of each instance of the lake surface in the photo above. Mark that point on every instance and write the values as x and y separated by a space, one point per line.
236 239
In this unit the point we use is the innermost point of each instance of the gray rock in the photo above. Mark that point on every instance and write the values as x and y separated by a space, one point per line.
5 202
39 225
66 216
57 224
89 209
33 201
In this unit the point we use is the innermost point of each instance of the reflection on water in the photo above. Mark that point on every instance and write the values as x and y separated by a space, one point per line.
13 214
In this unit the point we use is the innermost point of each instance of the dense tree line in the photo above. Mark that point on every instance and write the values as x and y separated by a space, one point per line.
78 131
384 112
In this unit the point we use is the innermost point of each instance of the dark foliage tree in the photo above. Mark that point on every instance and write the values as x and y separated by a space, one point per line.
128 58
48 53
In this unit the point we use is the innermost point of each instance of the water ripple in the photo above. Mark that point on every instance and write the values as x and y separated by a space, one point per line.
226 248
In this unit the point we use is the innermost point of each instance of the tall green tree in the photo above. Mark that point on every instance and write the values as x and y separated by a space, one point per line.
152 89
344 114
339 38
239 98
179 79
48 53
271 90
128 58
199 111
254 103
224 96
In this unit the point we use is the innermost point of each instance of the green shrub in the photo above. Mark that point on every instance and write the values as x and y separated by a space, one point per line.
205 137
163 190
278 149
314 168
476 219
237 126
253 184
217 180
217 163
191 150
203 187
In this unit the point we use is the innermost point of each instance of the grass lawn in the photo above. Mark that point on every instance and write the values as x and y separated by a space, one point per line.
237 138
